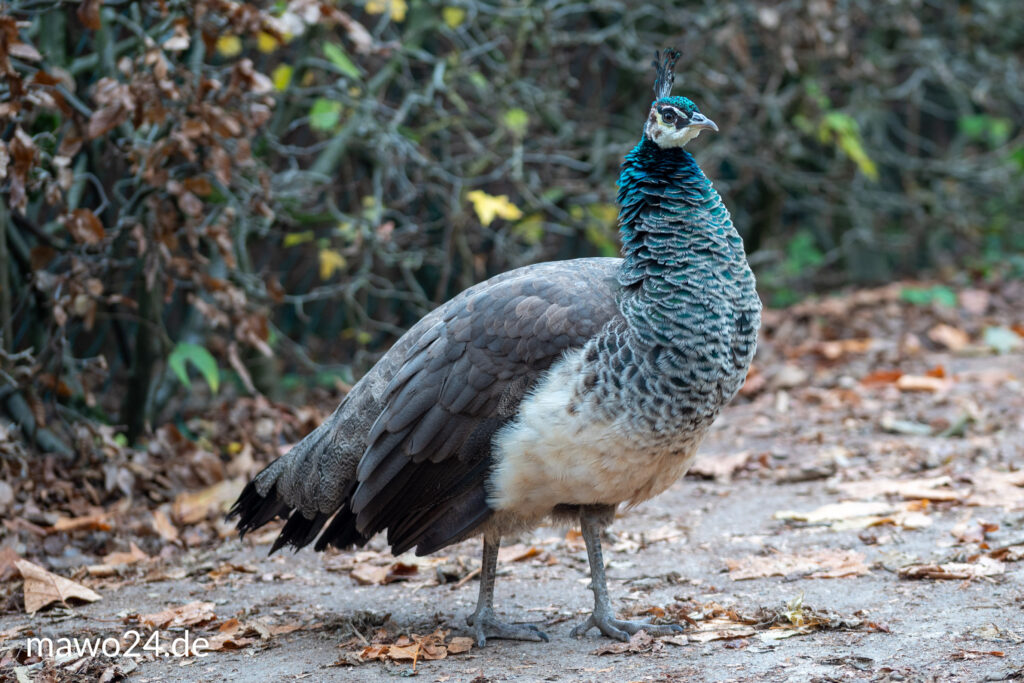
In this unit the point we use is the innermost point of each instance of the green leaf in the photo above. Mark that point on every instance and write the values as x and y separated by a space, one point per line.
453 16
341 60
324 114
1002 339
199 357
844 129
993 130
938 294
516 120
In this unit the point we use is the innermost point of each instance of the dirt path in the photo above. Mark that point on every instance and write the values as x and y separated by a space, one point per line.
949 504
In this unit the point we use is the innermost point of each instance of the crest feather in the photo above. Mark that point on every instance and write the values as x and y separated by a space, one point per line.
665 76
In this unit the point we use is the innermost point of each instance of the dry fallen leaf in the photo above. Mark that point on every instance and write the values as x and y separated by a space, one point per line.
925 383
985 566
719 467
641 641
972 531
881 377
184 615
834 349
8 569
997 489
719 628
1008 553
953 338
369 574
195 506
43 588
96 521
412 648
861 515
134 554
459 645
835 512
817 564
113 561
163 526
574 541
932 488
517 553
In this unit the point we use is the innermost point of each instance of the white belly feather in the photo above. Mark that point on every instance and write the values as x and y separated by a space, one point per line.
551 454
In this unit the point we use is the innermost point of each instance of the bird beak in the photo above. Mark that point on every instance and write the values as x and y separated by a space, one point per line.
699 121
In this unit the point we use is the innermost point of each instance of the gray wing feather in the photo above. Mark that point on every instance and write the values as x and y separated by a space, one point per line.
423 417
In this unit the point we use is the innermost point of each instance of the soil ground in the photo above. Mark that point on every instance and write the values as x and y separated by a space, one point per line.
927 585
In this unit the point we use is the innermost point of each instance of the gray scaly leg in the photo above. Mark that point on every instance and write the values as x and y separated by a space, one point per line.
485 624
591 523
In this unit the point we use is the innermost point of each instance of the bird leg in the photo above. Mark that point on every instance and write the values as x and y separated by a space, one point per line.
485 624
592 520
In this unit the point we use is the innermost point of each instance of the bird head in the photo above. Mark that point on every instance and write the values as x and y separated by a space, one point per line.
673 121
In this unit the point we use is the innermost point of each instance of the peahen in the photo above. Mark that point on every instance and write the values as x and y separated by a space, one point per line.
557 390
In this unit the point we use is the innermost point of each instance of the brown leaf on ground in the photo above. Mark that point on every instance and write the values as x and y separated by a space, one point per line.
985 566
517 553
1008 553
228 568
163 526
44 588
370 574
184 615
975 301
972 531
953 338
114 560
820 564
639 642
881 377
975 654
459 645
412 648
234 635
134 554
931 488
227 641
574 541
997 489
720 628
8 568
195 506
96 521
862 514
925 383
834 349
720 467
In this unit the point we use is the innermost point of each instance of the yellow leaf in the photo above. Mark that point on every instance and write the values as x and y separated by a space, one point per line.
396 8
266 43
282 76
489 207
453 16
330 261
293 238
229 46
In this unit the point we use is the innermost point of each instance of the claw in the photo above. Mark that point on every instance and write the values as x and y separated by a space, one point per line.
485 625
621 629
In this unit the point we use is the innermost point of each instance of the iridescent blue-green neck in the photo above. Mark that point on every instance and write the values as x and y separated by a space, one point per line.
665 201
687 288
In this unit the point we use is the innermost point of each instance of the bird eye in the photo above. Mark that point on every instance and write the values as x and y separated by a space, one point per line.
669 117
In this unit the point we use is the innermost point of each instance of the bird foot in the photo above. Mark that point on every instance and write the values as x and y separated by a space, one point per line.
621 629
485 625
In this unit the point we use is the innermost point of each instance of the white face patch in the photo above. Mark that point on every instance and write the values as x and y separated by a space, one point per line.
666 133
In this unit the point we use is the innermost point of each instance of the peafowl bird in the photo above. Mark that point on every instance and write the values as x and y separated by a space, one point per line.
555 391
